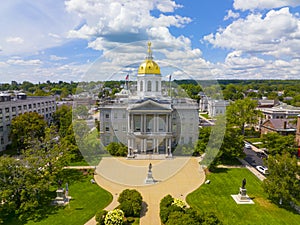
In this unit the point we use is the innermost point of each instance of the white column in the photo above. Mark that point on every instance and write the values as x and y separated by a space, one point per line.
166 145
145 145
169 147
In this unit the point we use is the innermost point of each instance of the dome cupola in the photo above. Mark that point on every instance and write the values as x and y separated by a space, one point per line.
149 66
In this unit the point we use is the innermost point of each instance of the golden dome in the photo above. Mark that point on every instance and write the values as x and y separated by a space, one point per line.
149 66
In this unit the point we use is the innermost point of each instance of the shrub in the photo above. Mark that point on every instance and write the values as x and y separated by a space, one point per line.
100 217
114 217
130 202
116 149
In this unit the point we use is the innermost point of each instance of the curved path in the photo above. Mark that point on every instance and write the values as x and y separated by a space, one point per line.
186 177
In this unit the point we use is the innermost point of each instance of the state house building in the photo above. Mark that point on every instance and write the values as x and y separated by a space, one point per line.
148 121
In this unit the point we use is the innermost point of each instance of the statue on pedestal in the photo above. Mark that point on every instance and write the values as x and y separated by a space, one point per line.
244 183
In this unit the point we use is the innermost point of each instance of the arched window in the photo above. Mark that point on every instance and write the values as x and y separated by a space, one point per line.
149 88
157 88
141 86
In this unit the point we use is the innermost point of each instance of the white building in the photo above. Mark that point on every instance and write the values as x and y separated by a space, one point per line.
212 106
11 106
148 122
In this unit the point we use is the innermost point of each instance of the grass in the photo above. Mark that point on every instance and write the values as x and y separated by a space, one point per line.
86 200
216 197
205 115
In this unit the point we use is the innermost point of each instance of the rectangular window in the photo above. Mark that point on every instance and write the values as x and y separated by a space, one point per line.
24 107
107 116
39 104
1 128
34 105
2 141
13 109
7 110
0 111
19 107
106 128
29 106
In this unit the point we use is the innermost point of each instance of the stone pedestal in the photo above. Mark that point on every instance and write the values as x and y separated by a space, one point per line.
61 198
149 179
242 197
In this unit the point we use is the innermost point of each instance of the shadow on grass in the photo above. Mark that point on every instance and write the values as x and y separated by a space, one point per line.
219 170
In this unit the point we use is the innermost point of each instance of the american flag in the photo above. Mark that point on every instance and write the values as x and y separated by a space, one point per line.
127 77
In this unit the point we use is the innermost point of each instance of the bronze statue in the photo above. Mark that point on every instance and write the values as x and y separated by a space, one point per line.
150 167
244 183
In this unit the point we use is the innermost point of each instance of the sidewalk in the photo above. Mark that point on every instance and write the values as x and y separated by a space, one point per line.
175 179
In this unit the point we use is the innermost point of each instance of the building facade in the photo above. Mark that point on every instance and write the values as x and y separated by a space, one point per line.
19 103
149 122
213 107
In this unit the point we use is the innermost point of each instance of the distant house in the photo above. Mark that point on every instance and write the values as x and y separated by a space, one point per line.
280 126
267 103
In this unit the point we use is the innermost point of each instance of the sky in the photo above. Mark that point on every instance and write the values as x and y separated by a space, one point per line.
82 40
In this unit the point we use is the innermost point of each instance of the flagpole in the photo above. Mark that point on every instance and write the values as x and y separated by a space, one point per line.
170 86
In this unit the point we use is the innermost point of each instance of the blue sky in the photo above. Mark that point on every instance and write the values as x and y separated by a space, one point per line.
97 39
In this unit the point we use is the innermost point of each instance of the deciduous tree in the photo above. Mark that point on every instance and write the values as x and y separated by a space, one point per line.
25 127
283 184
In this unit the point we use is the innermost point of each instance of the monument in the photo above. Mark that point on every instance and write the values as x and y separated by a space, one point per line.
242 197
62 197
150 179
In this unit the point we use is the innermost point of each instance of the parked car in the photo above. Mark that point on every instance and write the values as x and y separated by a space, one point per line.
262 155
264 170
248 146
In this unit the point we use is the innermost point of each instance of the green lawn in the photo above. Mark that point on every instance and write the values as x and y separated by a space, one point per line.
216 197
86 200
205 115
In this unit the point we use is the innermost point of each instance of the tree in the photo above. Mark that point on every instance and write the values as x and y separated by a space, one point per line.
130 202
62 119
278 144
116 149
242 112
25 127
100 217
26 182
231 147
283 184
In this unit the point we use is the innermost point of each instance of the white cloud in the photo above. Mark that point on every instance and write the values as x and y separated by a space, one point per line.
33 25
231 14
14 40
122 21
263 4
57 58
274 34
21 62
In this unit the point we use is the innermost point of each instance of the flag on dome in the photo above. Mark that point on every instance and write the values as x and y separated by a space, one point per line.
127 77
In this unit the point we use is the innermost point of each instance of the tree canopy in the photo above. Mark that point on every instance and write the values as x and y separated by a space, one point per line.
283 184
242 112
25 127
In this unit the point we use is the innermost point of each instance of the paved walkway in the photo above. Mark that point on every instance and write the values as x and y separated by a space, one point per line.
177 177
